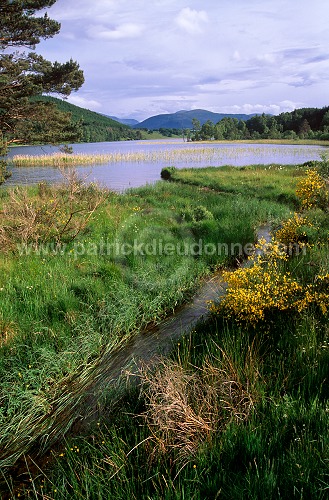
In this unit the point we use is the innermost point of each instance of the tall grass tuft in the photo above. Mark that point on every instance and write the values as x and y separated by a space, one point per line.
55 214
186 407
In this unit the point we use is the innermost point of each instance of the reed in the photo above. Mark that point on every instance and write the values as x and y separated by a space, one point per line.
186 154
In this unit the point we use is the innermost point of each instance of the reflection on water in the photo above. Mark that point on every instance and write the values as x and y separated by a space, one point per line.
122 175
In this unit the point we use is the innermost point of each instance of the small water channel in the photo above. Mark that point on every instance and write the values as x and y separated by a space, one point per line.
78 406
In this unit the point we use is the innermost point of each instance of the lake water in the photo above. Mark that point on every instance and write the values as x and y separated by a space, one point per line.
143 160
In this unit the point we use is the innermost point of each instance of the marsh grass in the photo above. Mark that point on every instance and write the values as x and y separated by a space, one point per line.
235 411
264 436
186 153
64 301
271 182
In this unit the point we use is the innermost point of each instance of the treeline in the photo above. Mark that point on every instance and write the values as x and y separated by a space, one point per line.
166 132
94 127
304 123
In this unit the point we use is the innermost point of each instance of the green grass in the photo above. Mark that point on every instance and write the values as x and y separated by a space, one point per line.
298 141
270 182
61 307
269 440
154 134
280 451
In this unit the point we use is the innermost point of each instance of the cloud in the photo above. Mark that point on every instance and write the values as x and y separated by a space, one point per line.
298 53
191 20
143 57
236 56
66 10
317 59
271 109
290 105
268 58
126 30
227 86
85 103
304 80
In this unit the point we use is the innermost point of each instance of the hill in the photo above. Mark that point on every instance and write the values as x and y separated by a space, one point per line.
183 119
125 121
95 127
303 123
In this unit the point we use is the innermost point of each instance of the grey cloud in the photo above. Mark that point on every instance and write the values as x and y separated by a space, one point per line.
299 53
316 59
137 58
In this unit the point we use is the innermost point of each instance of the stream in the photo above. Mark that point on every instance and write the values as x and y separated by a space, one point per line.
77 408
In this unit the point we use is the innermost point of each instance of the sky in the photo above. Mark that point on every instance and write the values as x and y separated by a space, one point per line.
143 58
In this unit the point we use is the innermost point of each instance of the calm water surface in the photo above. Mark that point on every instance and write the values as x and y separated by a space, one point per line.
124 174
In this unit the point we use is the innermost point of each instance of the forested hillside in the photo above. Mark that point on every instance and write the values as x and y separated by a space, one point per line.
184 119
94 126
304 123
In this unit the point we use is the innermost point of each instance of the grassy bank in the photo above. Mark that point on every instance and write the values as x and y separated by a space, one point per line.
257 430
247 412
82 270
271 182
293 142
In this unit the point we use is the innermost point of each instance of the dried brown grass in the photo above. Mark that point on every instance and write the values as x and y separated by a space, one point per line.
8 330
186 406
56 213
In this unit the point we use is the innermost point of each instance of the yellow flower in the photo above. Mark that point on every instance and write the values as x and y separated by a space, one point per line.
312 190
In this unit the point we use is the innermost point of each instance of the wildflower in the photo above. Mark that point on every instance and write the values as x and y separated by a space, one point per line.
312 190
254 291
293 231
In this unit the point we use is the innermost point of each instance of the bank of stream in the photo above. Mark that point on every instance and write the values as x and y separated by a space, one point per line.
79 407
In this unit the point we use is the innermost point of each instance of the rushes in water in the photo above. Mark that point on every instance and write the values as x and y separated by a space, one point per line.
186 154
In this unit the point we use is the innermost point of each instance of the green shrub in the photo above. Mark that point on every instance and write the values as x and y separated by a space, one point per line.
166 173
197 214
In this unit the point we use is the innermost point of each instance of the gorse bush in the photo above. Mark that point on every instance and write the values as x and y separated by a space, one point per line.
256 293
265 288
294 232
312 191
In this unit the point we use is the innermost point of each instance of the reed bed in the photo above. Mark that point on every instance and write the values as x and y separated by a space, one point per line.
185 154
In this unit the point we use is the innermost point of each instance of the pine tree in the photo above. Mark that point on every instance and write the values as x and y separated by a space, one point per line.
25 75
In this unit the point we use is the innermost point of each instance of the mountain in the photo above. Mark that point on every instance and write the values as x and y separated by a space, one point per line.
183 119
125 121
95 127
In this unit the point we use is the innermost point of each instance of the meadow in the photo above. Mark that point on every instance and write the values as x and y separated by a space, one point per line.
239 409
